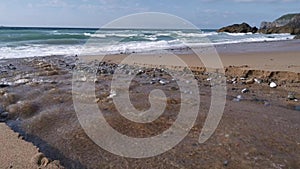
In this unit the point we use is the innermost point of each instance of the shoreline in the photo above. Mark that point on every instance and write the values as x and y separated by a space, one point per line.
225 48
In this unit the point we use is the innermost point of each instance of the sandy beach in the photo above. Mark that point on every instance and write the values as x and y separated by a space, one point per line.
259 128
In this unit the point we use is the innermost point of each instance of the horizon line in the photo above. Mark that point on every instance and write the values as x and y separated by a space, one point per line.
82 27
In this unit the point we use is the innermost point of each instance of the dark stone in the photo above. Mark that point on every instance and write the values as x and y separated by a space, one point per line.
225 163
2 85
297 36
11 67
2 109
3 115
239 28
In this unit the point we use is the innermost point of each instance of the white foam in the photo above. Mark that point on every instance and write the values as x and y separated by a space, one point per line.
95 35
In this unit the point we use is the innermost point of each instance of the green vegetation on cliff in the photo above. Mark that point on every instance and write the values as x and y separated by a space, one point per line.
287 17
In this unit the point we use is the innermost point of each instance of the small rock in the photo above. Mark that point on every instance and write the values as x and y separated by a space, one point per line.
21 81
5 84
40 160
112 94
2 109
83 79
234 80
163 82
11 67
245 90
97 100
266 103
174 88
225 163
291 96
273 85
187 81
140 72
250 81
259 81
3 115
237 99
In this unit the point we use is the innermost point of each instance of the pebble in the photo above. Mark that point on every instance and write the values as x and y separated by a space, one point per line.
225 163
266 103
258 81
187 81
40 160
273 85
250 81
112 94
3 115
291 96
11 67
21 81
2 109
140 72
163 82
238 98
245 90
5 84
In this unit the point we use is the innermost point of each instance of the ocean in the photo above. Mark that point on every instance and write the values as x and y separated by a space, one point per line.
16 42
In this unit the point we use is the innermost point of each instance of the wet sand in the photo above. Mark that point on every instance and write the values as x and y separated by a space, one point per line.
259 128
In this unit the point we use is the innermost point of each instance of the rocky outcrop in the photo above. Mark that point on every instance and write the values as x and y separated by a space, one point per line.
289 23
239 28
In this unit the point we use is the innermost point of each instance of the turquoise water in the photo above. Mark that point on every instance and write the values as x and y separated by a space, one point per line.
28 42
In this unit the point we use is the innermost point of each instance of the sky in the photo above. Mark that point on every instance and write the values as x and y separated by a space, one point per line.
96 13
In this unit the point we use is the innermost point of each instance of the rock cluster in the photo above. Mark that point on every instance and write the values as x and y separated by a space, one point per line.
289 23
239 28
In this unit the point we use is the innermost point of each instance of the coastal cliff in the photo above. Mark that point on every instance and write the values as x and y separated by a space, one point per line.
289 23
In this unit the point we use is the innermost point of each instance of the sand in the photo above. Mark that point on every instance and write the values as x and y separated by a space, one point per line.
261 130
17 153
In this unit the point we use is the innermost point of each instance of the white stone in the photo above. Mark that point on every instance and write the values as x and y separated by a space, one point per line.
112 94
21 81
245 90
273 85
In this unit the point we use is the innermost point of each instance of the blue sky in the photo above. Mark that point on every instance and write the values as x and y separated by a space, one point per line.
95 13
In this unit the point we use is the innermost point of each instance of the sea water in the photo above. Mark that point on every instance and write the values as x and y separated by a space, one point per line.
16 42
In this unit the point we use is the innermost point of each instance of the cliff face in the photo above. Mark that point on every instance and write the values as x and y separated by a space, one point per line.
289 23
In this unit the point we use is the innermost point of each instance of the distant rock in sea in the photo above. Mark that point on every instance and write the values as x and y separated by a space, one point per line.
289 23
239 28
